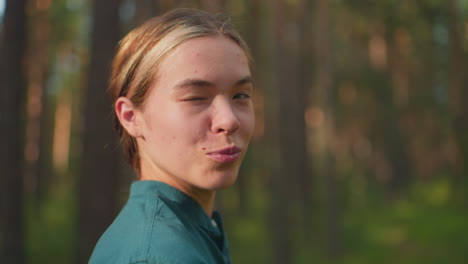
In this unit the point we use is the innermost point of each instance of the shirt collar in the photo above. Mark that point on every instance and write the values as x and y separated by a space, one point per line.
188 205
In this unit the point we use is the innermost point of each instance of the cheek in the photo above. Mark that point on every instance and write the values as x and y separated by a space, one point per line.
182 129
247 121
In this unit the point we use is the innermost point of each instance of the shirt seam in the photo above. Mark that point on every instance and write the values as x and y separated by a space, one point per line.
157 210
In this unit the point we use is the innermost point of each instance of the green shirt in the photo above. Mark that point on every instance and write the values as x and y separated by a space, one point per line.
162 225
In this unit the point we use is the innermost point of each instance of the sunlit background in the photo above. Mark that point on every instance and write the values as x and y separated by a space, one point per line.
360 153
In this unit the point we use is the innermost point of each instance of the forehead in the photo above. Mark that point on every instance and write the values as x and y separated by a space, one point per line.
214 58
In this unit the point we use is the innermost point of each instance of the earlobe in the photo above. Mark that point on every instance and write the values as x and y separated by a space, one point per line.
127 115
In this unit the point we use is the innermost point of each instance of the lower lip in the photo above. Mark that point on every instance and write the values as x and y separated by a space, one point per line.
224 158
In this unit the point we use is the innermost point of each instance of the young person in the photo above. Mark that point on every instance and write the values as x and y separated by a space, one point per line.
182 93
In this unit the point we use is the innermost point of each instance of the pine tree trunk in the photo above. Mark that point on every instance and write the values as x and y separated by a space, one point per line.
283 175
39 125
99 176
303 70
324 82
11 119
458 95
145 9
213 6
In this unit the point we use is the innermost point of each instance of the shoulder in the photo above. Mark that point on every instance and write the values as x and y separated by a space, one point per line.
147 232
174 242
124 239
121 239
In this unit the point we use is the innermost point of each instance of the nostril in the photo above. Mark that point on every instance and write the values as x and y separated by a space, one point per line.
224 119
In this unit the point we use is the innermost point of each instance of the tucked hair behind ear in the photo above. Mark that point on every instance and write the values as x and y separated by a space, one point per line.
140 53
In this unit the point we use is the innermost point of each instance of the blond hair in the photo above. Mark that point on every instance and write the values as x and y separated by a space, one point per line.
140 53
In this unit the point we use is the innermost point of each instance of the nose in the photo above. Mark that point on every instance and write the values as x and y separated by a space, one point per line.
224 119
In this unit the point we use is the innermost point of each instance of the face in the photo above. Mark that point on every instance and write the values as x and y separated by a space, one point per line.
198 118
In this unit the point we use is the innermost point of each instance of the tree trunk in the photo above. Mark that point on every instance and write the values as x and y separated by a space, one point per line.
303 70
98 181
213 6
458 94
39 134
11 119
324 82
289 120
394 141
145 9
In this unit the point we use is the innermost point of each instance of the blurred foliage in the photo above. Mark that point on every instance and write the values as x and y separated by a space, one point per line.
400 159
421 227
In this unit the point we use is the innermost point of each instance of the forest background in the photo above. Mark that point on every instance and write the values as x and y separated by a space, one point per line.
360 154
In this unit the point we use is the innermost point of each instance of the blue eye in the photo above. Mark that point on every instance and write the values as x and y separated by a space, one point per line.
241 96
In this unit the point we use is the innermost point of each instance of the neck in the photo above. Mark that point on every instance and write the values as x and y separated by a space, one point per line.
205 198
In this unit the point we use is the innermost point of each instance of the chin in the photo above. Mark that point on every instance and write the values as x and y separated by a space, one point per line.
220 181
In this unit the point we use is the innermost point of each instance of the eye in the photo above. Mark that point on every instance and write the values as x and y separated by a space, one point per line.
193 99
241 96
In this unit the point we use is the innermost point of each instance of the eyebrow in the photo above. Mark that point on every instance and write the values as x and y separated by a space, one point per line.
245 80
204 83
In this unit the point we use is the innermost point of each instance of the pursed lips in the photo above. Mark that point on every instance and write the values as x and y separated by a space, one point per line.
225 155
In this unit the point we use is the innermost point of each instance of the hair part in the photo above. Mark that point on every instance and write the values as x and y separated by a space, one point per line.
140 53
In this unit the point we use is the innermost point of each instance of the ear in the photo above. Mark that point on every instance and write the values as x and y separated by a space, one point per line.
128 116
